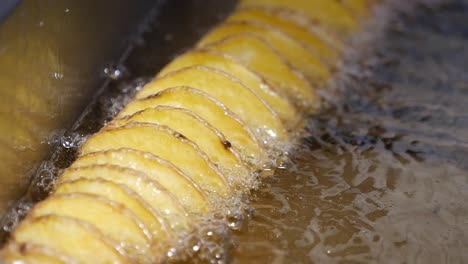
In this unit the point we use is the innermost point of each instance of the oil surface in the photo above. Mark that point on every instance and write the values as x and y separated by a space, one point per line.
382 176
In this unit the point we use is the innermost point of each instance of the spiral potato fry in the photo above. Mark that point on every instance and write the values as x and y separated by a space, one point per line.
198 134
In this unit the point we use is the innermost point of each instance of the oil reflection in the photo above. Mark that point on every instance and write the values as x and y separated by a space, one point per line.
51 56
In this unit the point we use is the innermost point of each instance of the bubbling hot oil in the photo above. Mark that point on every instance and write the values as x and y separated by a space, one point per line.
382 175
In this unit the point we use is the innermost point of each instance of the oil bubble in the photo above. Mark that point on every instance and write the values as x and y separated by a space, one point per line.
115 72
71 140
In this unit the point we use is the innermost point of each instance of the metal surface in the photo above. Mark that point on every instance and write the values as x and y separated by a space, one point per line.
52 56
7 6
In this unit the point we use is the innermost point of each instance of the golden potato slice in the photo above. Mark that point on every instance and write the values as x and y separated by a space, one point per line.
258 55
120 194
31 258
209 109
162 202
74 238
326 50
171 178
332 38
113 219
329 13
27 253
167 144
229 91
267 92
302 57
358 8
213 143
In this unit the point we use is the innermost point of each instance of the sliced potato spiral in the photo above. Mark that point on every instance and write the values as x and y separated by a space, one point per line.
199 133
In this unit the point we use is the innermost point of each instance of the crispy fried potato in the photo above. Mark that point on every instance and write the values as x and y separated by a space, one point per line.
74 238
170 177
208 108
161 201
280 104
120 194
227 89
358 8
328 12
111 218
301 56
332 38
193 140
167 144
213 143
324 49
261 58
28 253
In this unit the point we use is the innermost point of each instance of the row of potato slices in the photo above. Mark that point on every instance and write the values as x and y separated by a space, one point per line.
191 138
